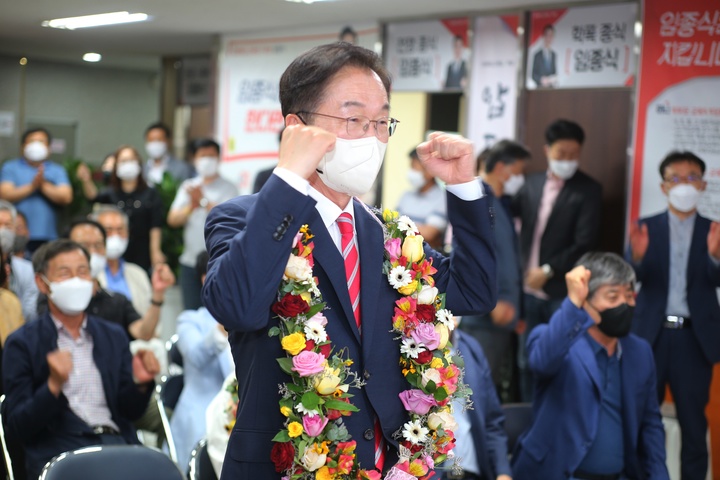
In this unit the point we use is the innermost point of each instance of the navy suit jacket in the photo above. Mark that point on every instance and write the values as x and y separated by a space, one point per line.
567 401
540 67
487 418
703 277
45 424
249 240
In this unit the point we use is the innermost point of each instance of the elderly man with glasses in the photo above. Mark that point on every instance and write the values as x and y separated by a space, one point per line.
335 101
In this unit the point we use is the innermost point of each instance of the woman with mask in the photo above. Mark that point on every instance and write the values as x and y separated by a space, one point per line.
141 203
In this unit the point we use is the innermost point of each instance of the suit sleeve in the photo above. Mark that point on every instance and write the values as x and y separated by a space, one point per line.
249 240
586 230
469 276
651 445
639 268
27 410
713 271
548 345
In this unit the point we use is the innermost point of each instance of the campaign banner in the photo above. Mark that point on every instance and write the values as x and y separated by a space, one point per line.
492 111
678 100
248 117
582 47
429 56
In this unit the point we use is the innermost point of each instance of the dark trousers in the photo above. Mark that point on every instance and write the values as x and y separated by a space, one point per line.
537 312
681 364
191 287
497 345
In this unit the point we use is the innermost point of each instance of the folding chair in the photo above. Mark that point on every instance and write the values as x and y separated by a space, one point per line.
201 467
167 394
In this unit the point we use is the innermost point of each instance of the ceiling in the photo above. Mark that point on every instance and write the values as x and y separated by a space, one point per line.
186 27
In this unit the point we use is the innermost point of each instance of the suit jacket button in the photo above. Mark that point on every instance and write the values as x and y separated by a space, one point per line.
366 374
277 236
369 434
288 218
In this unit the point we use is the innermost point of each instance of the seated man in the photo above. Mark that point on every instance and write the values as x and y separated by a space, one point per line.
595 411
22 278
70 381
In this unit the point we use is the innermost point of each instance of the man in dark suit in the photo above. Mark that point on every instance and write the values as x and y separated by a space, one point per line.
560 214
335 102
595 413
69 378
456 76
544 69
481 441
676 255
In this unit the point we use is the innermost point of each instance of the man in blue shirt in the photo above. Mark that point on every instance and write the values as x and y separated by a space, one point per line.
595 410
36 186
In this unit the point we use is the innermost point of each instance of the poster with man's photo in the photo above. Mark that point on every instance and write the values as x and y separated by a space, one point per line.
582 47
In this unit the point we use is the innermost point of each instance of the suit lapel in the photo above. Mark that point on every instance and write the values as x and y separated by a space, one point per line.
561 200
698 249
663 239
328 257
589 362
371 249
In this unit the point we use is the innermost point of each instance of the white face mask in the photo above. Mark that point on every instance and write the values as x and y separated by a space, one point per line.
513 184
128 170
115 246
36 151
352 166
684 197
206 166
97 264
563 169
416 178
71 296
7 240
156 149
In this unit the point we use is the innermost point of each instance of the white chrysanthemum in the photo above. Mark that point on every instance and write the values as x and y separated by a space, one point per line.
445 317
411 348
406 225
314 330
414 432
399 277
304 411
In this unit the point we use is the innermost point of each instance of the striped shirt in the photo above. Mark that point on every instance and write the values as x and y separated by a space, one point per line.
84 389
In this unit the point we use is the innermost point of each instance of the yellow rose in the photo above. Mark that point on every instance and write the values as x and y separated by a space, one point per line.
295 429
444 334
286 411
412 248
389 215
409 289
436 363
293 343
328 381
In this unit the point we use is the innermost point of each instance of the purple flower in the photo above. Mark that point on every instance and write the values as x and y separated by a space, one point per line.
425 333
308 363
416 401
314 425
393 249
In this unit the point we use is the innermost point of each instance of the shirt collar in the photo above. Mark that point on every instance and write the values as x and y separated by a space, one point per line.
678 221
59 326
599 349
329 212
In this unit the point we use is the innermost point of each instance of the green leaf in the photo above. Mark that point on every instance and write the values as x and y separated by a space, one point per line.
294 388
458 361
282 437
440 394
315 309
286 365
413 379
430 387
310 400
274 332
333 404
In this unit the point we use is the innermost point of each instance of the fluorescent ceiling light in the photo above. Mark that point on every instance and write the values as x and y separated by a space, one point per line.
92 57
309 1
71 23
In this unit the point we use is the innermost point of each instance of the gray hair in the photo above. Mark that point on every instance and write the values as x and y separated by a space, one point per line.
607 269
102 209
8 207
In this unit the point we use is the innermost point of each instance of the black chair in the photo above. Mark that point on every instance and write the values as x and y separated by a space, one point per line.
174 357
518 417
112 462
200 467
167 394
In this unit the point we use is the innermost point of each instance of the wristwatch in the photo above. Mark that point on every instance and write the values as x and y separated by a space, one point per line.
547 270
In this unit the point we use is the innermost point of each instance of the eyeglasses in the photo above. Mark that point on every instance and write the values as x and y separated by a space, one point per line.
358 125
676 179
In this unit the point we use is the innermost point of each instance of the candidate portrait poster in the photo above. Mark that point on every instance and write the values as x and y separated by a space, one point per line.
429 56
248 117
582 47
492 112
678 105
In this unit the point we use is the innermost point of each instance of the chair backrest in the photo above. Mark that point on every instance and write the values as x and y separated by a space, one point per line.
167 394
174 356
518 417
5 451
112 462
201 467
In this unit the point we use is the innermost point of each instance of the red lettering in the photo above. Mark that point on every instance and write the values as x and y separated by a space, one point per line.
262 121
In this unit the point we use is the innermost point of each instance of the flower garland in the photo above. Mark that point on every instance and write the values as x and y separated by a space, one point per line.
314 443
423 325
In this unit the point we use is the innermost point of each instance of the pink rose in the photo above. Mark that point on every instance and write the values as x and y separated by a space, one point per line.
415 401
425 333
393 249
308 363
314 425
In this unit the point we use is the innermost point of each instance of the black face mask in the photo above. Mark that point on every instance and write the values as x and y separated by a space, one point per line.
616 321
